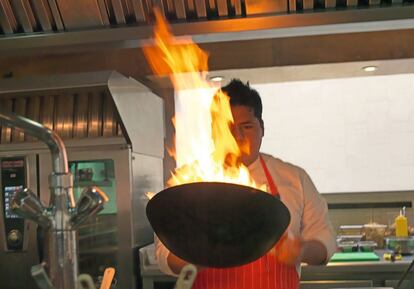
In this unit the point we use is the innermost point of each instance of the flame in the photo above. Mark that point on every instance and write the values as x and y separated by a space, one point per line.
212 154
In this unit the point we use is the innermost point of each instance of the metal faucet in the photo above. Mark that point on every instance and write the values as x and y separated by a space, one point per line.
62 216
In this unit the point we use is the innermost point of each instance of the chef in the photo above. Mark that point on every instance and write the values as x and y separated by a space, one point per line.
309 237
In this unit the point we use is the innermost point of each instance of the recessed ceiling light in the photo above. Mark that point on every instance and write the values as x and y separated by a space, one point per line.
216 78
370 68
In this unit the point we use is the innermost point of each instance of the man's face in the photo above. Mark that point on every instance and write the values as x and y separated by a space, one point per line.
248 133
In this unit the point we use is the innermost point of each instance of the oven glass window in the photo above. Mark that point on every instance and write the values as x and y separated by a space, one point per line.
100 173
98 236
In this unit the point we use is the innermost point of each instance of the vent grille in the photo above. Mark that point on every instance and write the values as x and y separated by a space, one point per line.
72 115
31 16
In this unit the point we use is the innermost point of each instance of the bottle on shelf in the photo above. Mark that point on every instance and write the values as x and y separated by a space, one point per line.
401 224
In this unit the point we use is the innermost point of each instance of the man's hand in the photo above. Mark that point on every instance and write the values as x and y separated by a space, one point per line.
288 250
292 250
176 264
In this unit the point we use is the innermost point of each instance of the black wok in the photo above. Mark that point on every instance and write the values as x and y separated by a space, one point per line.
215 224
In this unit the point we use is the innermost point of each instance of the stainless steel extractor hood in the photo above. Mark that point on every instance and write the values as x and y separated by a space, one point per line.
85 106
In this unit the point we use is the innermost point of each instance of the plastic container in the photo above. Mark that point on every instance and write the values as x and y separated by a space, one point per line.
353 230
400 245
349 238
367 246
348 246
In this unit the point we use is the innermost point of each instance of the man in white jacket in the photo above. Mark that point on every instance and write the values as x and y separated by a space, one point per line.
309 239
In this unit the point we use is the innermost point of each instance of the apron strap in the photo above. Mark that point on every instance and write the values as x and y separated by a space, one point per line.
272 185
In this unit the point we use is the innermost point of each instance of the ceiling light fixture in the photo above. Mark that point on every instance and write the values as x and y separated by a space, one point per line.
370 68
216 78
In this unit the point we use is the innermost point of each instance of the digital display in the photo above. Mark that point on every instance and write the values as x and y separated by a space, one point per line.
8 195
13 179
9 164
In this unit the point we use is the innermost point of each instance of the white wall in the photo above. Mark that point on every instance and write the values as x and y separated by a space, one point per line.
351 135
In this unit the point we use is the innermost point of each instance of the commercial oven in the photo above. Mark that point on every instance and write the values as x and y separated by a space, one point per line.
113 129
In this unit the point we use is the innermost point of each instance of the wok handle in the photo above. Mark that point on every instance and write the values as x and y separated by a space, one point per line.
186 278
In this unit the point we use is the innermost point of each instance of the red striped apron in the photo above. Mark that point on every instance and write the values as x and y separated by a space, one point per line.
264 273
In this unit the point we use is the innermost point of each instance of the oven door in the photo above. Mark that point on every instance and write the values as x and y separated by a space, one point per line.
108 238
18 236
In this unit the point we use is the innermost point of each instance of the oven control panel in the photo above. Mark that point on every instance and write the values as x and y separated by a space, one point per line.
13 178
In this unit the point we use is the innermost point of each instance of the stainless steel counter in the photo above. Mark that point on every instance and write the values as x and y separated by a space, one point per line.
333 275
379 273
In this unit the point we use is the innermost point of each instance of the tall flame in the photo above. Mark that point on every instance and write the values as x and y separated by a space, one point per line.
213 153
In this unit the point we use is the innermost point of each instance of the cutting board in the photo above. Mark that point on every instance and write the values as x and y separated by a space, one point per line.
354 257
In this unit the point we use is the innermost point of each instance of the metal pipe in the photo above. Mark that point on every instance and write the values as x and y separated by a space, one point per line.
61 259
52 140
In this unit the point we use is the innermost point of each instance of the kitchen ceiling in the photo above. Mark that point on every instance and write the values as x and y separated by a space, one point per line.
45 23
47 16
238 34
317 71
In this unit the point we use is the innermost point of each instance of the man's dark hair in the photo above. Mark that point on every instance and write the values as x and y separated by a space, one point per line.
243 94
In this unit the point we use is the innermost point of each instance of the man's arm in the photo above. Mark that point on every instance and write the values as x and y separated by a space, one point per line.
163 256
317 233
293 250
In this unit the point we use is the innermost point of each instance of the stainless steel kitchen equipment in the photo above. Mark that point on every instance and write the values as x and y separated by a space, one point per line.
57 219
113 129
18 236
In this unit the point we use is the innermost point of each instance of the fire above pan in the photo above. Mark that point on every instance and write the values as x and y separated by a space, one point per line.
217 225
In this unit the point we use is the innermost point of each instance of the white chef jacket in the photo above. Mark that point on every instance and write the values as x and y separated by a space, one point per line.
308 210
